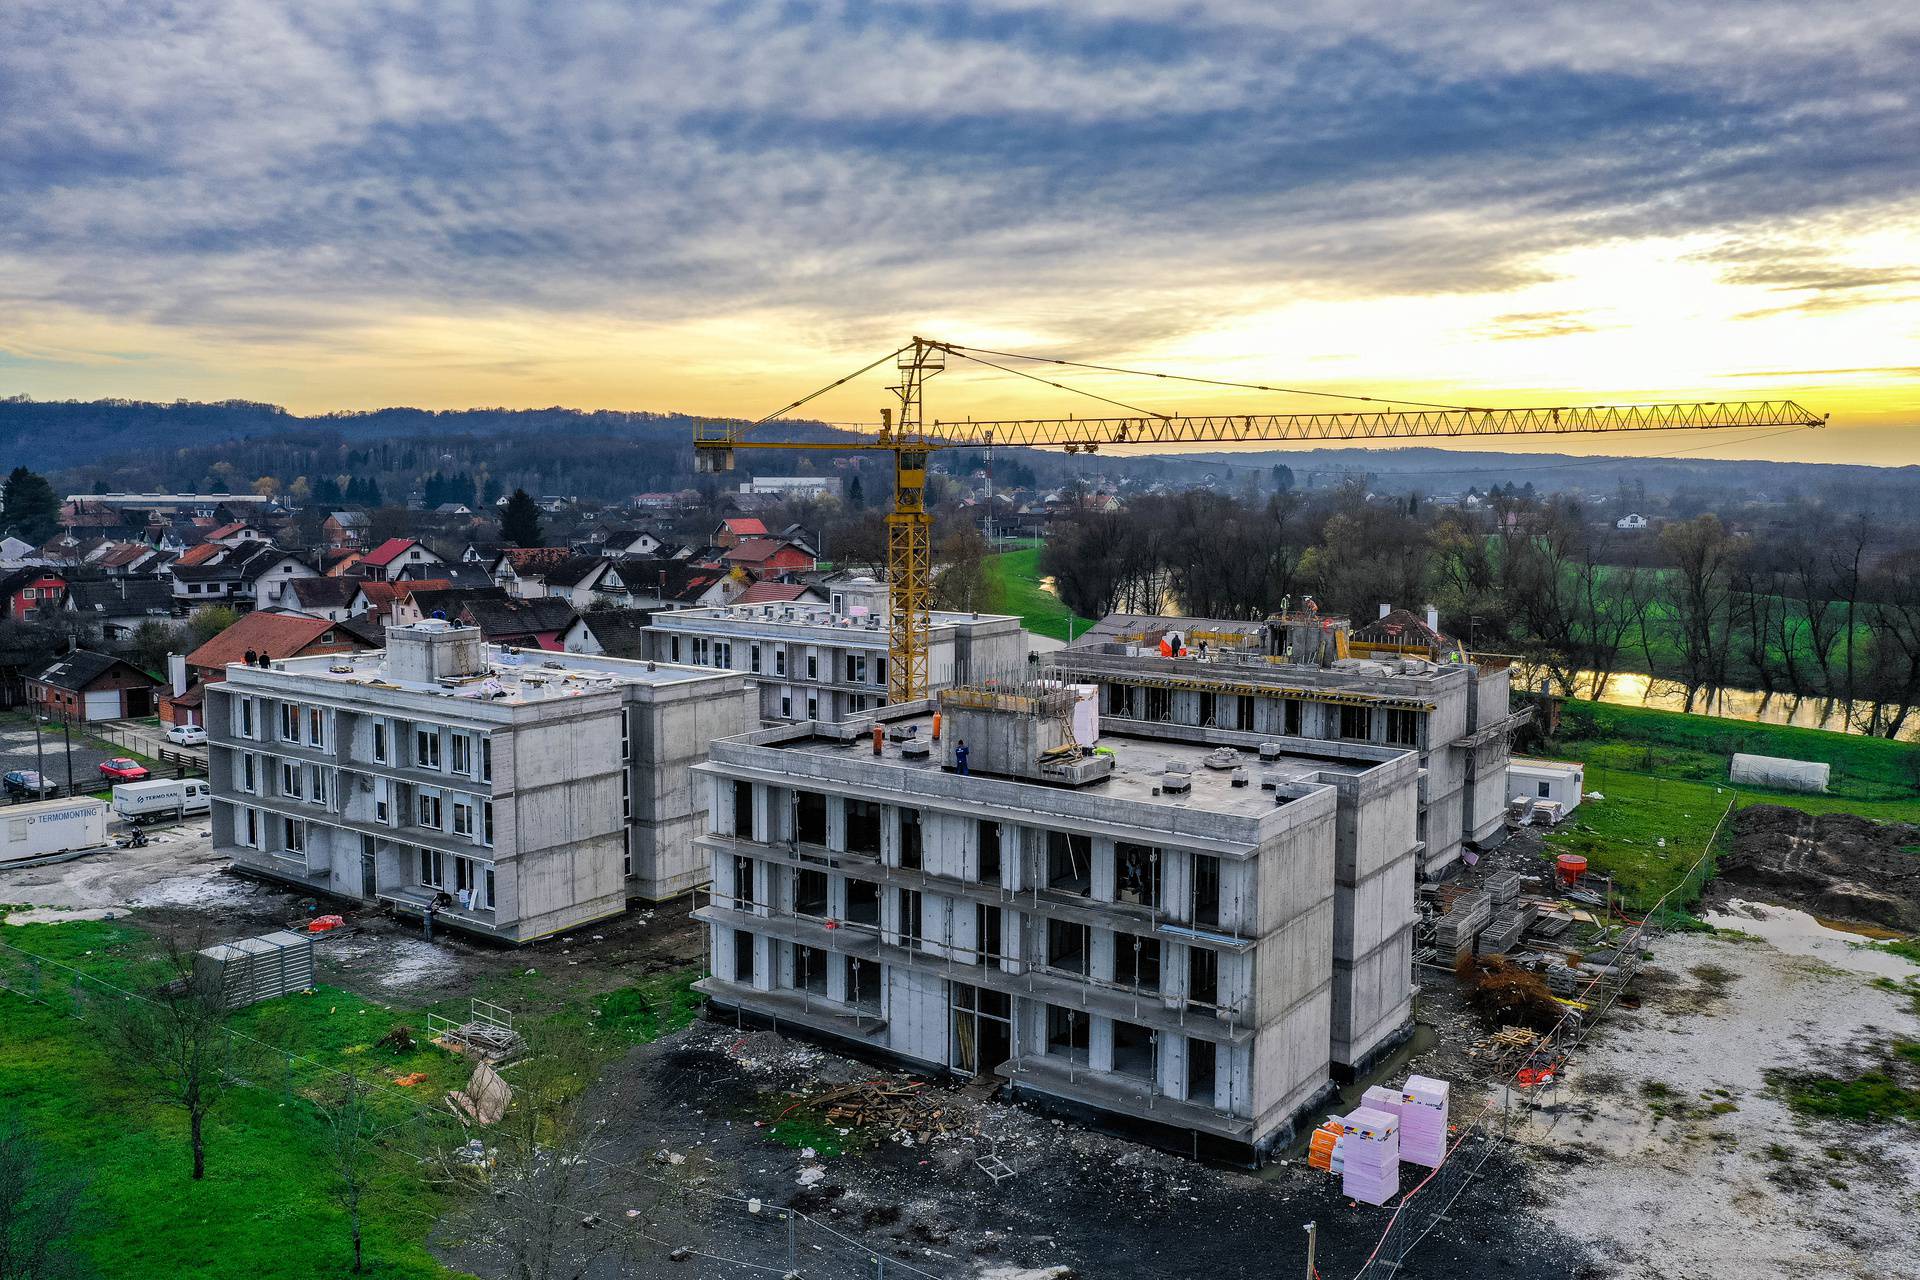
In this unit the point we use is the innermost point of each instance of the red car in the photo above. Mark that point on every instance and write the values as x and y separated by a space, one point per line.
121 769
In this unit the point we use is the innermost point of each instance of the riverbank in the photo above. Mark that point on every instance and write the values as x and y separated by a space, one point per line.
1013 586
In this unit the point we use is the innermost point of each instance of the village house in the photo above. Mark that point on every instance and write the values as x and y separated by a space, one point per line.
84 685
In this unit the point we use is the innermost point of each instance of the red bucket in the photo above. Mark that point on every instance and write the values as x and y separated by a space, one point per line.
1571 867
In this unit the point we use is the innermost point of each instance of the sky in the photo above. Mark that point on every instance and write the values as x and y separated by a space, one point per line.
716 208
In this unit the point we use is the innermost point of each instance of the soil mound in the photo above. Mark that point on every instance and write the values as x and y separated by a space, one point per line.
1830 864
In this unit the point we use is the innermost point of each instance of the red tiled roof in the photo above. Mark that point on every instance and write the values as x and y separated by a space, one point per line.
772 592
534 558
123 554
200 555
381 595
227 530
755 550
746 526
387 552
278 635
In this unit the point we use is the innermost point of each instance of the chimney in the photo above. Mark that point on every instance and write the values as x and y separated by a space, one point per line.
1385 608
1433 618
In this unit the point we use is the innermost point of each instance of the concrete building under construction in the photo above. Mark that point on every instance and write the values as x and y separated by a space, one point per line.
524 792
1395 682
1190 929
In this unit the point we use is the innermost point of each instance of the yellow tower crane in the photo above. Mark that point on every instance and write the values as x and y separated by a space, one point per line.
909 438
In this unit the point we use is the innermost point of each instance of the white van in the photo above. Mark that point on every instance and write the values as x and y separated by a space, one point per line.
161 798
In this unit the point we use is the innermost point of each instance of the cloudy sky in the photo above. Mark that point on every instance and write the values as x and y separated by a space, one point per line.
717 207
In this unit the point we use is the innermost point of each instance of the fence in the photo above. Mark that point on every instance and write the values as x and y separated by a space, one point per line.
1513 1108
724 1234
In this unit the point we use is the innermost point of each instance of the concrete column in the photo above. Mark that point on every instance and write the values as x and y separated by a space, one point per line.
1236 896
836 975
836 897
784 974
1103 887
721 959
720 812
763 962
837 823
1173 1064
723 886
1013 940
1100 1043
1013 862
1100 953
1233 1077
1176 883
966 929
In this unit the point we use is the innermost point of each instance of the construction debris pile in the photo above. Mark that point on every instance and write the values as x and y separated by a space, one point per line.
902 1109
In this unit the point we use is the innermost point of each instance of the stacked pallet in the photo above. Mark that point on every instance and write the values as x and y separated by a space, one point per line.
237 974
1423 1121
1455 932
1504 887
1499 937
1370 1156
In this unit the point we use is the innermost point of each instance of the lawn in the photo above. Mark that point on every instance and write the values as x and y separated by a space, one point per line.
1013 586
1663 775
264 1209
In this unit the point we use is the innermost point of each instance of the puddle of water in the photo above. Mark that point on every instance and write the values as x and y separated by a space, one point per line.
1799 934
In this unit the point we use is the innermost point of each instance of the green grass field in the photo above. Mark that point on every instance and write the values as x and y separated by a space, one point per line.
1013 586
1664 775
265 1208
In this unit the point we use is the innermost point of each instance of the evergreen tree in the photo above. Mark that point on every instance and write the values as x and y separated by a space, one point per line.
326 492
31 506
856 496
520 520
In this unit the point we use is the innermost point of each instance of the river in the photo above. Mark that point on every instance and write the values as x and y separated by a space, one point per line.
1637 689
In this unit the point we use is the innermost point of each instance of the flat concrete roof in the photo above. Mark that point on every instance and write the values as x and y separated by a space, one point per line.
785 618
512 678
1139 765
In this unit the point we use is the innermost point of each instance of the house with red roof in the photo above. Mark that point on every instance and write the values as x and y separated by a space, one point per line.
781 593
390 558
732 530
769 557
259 635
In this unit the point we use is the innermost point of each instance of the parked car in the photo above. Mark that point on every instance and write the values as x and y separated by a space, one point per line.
187 735
121 769
25 782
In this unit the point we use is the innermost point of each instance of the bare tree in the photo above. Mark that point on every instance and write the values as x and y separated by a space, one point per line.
1698 595
351 1150
37 1210
177 1044
546 1172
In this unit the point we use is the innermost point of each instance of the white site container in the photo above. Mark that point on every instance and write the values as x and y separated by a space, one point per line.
161 798
51 826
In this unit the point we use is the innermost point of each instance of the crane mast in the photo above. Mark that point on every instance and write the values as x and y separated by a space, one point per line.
908 439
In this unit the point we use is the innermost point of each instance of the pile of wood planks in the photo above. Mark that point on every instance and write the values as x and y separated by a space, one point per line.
896 1106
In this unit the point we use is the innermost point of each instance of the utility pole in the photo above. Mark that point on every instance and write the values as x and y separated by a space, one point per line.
66 728
39 761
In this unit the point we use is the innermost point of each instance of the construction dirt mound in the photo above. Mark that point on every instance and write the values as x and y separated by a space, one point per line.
1831 864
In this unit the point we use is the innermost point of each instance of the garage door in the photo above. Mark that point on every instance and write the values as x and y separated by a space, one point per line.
104 705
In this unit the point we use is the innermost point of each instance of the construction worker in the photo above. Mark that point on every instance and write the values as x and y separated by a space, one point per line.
960 757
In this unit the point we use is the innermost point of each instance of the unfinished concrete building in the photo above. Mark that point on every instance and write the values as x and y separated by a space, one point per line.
1187 929
1396 682
812 663
534 791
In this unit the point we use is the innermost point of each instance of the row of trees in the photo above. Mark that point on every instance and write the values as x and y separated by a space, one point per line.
1830 613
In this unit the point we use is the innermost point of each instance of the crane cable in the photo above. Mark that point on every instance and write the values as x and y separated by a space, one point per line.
780 413
1182 377
1059 386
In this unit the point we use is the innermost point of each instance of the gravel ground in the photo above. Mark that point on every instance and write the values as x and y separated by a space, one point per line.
1750 1190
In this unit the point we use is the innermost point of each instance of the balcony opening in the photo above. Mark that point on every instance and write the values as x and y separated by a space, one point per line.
1201 1064
1206 890
1067 1034
743 899
810 893
810 817
1067 946
911 921
1132 1050
911 845
1356 723
1292 718
1203 976
743 950
743 810
1243 714
863 987
863 903
1136 874
863 827
987 923
810 970
989 833
1136 962
1069 862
